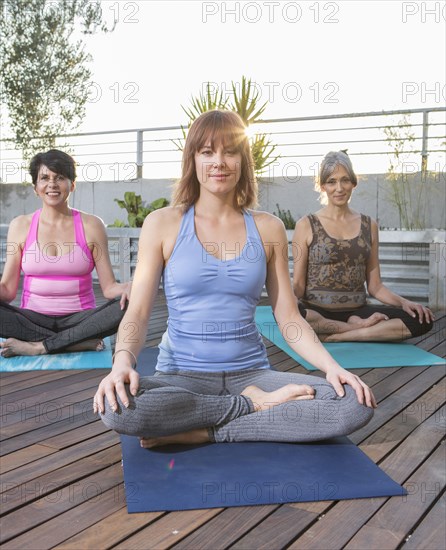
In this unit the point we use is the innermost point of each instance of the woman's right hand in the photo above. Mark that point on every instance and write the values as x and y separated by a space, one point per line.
113 384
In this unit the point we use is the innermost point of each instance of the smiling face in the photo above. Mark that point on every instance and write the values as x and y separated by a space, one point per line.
54 189
217 157
218 167
338 187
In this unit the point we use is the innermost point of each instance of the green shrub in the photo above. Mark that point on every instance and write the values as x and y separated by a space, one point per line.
136 210
286 217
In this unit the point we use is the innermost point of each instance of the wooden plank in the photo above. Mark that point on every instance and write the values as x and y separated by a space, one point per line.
80 416
58 529
24 456
168 530
26 379
431 533
72 437
336 527
379 451
51 390
59 410
388 528
396 381
439 349
39 469
109 531
77 483
46 403
395 403
226 528
277 529
383 441
43 378
72 522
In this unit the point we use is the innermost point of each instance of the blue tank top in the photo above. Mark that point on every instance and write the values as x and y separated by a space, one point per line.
211 304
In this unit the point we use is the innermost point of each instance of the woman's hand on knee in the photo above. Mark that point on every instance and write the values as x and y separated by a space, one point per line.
114 384
339 376
414 310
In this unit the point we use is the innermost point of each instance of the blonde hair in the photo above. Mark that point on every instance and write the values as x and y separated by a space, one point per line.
216 126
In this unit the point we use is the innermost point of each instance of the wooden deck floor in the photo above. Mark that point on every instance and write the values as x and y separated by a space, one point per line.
62 484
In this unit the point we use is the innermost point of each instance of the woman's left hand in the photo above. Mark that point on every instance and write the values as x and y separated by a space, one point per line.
339 376
414 310
125 296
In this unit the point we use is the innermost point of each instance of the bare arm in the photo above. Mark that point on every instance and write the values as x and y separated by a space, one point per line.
378 289
133 328
305 342
9 284
98 242
300 243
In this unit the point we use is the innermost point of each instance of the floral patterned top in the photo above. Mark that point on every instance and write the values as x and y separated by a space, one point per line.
336 271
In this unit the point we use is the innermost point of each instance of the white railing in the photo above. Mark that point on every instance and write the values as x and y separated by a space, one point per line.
413 263
124 155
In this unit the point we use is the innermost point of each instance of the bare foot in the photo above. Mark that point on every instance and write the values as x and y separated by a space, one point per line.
185 438
263 400
369 322
88 345
12 347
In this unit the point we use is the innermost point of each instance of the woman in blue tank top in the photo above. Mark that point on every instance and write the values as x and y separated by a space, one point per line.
213 381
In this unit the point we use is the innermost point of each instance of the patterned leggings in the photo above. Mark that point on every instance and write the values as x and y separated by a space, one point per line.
186 400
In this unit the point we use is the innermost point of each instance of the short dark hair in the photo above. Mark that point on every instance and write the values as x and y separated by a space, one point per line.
57 161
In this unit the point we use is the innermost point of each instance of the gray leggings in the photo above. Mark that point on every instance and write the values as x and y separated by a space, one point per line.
186 400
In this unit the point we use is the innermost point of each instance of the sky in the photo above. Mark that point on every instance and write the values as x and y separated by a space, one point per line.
306 57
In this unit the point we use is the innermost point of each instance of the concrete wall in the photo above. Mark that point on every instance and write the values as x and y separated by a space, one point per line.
371 197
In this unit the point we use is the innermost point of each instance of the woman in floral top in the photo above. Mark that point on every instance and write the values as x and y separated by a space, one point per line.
336 260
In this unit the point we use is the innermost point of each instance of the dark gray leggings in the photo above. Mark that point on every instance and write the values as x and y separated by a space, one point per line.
186 400
58 332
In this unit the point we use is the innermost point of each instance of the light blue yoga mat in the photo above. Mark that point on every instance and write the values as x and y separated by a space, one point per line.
350 355
60 361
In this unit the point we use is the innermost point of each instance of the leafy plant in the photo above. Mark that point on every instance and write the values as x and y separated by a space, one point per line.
136 211
286 217
246 104
44 72
408 197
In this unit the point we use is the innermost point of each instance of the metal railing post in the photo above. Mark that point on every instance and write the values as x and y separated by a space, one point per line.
424 142
139 153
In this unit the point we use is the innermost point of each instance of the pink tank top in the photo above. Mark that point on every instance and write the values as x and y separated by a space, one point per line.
57 285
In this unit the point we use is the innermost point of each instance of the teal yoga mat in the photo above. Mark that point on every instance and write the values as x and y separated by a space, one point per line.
350 355
60 361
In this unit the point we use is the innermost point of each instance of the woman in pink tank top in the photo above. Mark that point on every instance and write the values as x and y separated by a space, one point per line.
57 249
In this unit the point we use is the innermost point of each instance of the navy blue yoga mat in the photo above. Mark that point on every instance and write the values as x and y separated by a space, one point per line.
60 361
179 477
350 355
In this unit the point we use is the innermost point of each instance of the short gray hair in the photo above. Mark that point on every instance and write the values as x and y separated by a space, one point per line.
328 165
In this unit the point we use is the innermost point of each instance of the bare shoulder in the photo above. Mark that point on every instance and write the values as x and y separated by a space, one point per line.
168 214
19 227
163 223
164 218
303 225
94 228
92 221
268 224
